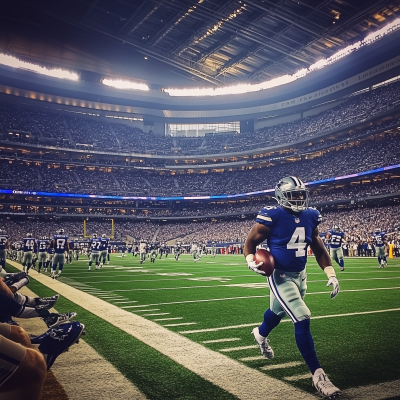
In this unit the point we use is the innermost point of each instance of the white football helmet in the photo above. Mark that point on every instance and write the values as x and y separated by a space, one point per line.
290 192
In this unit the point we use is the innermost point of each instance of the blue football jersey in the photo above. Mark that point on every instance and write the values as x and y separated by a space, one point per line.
42 246
3 241
336 239
104 244
29 244
379 238
60 243
291 234
95 245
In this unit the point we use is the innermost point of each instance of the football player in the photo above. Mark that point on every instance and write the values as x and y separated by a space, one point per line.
336 237
213 249
19 246
103 249
194 251
50 257
72 245
289 229
4 246
29 249
42 245
380 240
177 250
161 249
95 244
142 251
60 245
153 252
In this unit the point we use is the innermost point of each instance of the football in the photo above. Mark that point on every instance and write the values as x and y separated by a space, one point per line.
266 258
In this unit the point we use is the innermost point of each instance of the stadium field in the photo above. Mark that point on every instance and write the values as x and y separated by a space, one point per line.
217 301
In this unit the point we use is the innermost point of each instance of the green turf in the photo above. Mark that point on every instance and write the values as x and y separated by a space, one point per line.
157 376
214 293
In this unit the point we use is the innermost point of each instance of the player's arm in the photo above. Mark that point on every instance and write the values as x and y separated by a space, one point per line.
67 245
324 261
257 235
7 244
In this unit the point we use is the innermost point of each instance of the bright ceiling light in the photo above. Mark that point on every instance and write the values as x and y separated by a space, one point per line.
121 84
247 88
14 62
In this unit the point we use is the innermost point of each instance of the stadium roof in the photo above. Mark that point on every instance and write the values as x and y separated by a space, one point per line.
179 41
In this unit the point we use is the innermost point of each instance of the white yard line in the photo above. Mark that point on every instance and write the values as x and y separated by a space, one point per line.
255 358
230 375
167 319
298 377
182 323
280 366
229 349
221 340
154 315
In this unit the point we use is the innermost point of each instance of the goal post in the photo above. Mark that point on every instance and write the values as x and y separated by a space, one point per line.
88 235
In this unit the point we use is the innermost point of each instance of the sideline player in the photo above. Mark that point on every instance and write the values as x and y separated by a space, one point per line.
336 237
153 252
380 240
29 248
142 251
177 250
60 245
103 249
194 251
4 247
95 244
42 245
289 229
213 249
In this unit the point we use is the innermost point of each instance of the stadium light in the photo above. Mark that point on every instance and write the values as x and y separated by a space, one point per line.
128 85
14 62
247 88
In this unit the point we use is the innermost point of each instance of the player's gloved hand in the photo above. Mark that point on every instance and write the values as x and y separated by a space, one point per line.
332 281
253 266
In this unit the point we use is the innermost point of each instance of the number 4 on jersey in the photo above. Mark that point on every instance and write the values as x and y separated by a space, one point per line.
298 242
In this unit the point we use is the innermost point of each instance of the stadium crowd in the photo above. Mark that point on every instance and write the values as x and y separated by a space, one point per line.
86 132
363 156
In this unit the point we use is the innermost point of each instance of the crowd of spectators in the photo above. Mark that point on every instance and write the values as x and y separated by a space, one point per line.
364 156
92 133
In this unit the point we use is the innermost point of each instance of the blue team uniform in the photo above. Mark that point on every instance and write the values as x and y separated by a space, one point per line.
95 244
29 244
42 246
336 239
60 244
380 247
379 239
104 244
290 235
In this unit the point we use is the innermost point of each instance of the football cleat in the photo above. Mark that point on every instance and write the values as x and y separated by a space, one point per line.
9 279
56 319
324 386
45 303
58 340
263 344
